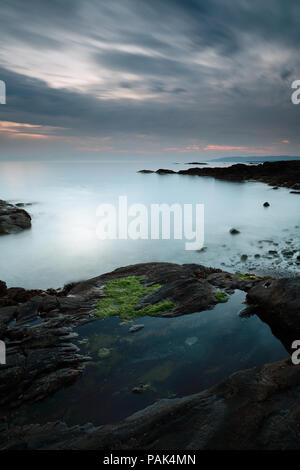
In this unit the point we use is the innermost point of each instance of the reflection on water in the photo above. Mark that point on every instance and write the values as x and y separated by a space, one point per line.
62 244
173 357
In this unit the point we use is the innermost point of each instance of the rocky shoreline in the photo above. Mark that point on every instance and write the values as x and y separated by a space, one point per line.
276 174
38 329
13 218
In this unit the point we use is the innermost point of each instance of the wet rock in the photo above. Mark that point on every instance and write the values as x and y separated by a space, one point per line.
266 204
163 171
254 409
279 306
135 328
244 257
287 253
234 231
3 288
142 388
13 219
273 252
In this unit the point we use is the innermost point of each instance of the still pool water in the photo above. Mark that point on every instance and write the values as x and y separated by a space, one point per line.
62 245
173 357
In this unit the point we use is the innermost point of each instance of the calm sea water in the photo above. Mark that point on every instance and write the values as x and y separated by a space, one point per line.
62 245
173 357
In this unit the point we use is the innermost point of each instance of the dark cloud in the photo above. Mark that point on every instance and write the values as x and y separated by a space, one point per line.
175 69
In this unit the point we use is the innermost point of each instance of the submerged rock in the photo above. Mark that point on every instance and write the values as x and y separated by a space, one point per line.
104 353
135 328
190 341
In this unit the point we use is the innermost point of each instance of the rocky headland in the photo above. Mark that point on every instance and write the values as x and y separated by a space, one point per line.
276 174
252 409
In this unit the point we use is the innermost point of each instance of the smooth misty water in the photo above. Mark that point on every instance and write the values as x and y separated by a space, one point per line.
62 245
174 356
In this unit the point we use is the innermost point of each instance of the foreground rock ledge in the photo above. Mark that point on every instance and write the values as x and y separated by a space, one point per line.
257 408
254 409
13 219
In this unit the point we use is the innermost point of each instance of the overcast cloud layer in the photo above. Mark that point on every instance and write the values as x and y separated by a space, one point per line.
162 77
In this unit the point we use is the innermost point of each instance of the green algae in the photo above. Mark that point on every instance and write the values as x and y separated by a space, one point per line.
247 276
123 296
221 296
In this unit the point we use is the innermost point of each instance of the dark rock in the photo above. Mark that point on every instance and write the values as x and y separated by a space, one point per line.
163 171
195 163
13 219
253 409
266 204
234 231
3 288
276 174
279 306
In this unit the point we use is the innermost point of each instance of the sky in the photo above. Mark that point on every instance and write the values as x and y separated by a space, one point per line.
189 79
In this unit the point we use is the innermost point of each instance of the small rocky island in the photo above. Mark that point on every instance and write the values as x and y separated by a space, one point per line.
13 218
252 409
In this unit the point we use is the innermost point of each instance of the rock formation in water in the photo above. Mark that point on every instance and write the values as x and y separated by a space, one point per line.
284 174
13 219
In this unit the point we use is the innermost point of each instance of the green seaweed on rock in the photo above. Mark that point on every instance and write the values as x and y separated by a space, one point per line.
246 276
221 296
123 296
